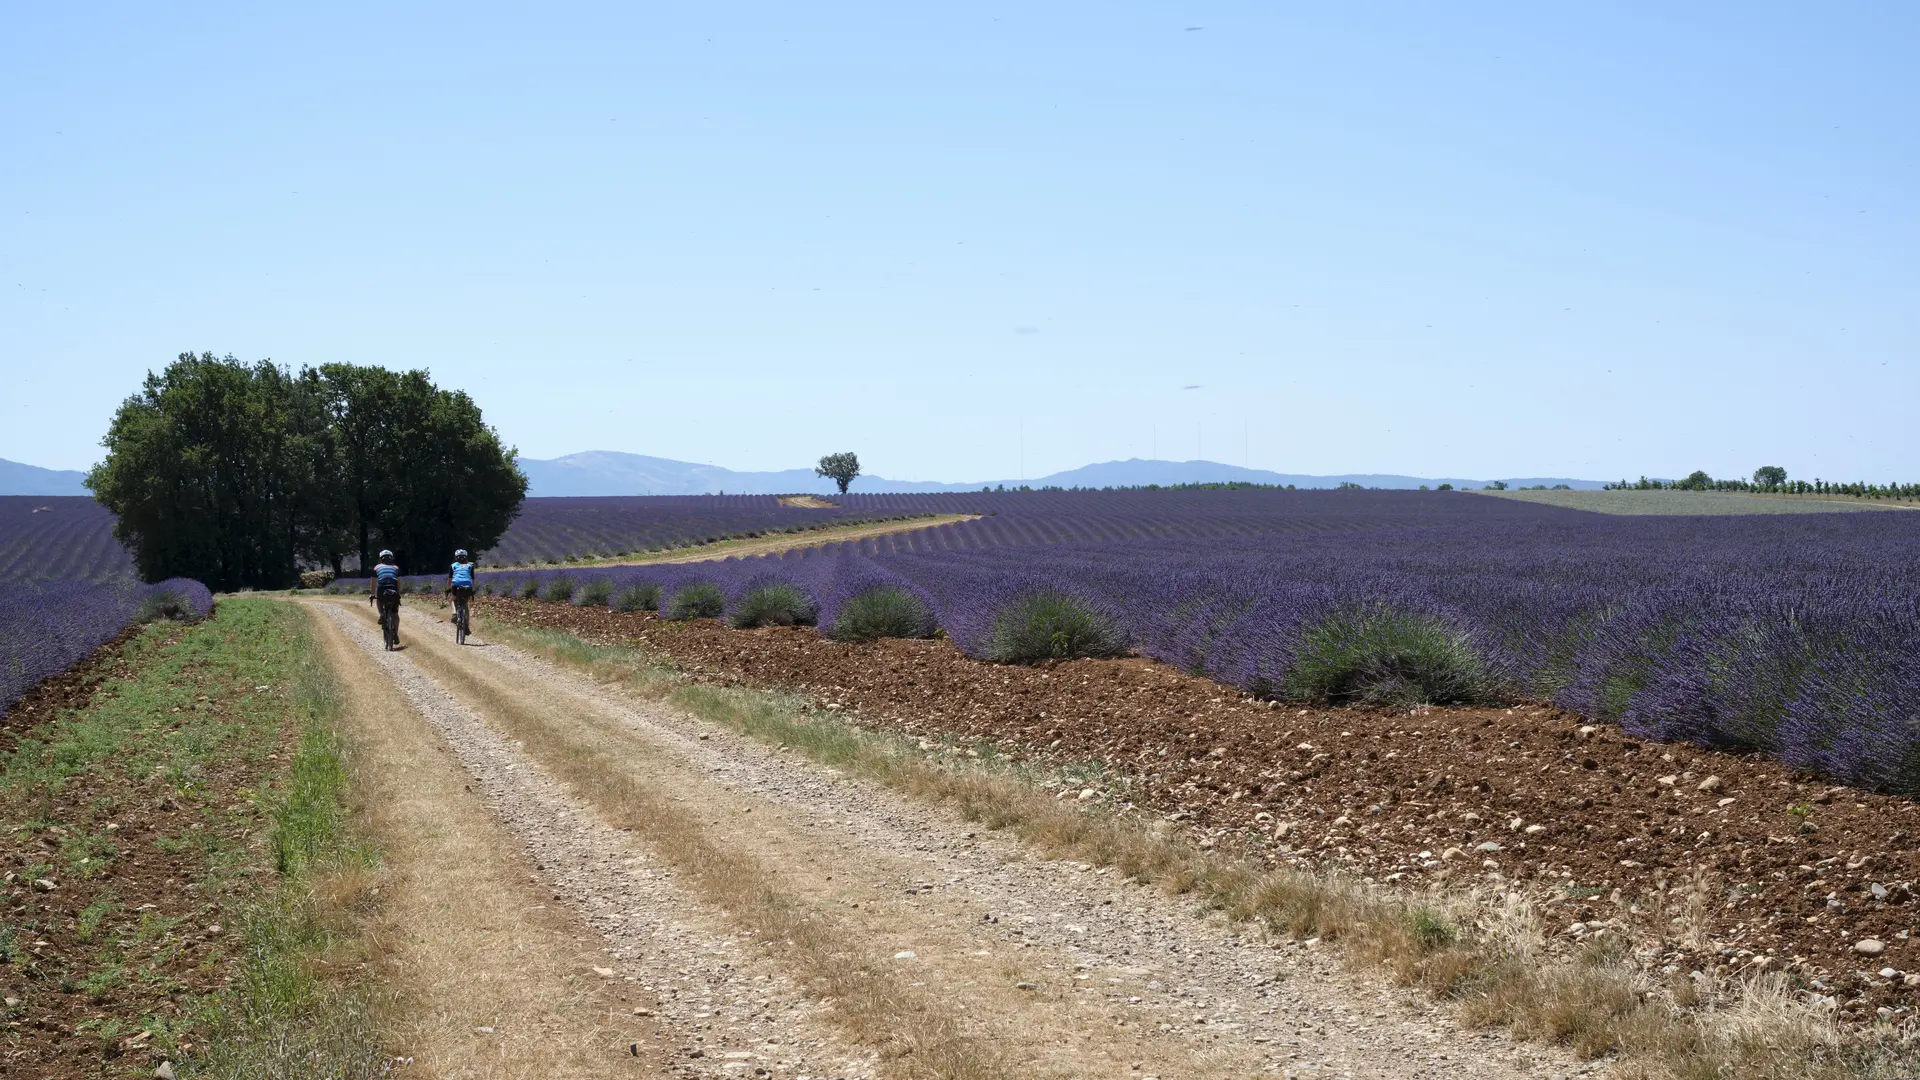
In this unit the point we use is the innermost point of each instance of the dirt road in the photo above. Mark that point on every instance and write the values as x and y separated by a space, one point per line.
769 917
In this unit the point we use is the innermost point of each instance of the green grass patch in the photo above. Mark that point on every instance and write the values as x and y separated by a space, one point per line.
883 612
697 600
1383 656
1052 626
642 596
776 604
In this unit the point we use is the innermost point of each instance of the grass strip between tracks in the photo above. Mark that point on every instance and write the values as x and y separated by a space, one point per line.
1488 966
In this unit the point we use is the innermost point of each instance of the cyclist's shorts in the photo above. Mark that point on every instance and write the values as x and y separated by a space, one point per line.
464 592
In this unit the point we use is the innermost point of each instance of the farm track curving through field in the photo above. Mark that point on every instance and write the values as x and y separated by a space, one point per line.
763 545
773 914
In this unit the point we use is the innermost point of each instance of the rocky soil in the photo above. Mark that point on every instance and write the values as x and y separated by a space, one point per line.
1706 862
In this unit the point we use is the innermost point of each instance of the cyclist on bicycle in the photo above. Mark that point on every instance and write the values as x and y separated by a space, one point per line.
383 589
460 582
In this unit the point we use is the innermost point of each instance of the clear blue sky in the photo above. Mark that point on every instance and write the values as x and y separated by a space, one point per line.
1462 239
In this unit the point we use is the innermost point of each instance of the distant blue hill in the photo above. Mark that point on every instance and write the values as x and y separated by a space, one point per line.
608 472
18 479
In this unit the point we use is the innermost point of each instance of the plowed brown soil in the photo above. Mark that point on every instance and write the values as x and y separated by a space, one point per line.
1715 862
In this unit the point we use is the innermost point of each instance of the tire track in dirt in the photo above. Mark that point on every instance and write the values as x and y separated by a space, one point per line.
1068 970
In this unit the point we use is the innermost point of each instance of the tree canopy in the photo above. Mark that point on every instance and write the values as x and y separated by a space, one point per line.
240 474
840 468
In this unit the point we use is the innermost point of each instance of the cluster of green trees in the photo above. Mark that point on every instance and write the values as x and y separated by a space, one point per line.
1771 479
241 474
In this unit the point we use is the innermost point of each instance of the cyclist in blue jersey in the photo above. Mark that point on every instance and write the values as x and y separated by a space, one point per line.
383 590
460 584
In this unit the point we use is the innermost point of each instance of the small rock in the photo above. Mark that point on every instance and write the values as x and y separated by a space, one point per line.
1870 947
1724 803
605 973
905 955
165 1071
1514 825
1889 973
643 1012
1669 780
1024 986
1284 830
1451 854
44 884
1534 830
1342 820
1912 980
1878 890
1711 783
1577 929
483 1031
1587 731
1088 793
1487 845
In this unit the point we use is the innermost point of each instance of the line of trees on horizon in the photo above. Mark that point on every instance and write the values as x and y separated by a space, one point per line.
1771 480
241 475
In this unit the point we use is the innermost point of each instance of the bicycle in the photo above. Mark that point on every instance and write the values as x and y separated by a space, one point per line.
390 621
460 612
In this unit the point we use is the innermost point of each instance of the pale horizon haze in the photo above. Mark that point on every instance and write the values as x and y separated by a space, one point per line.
993 240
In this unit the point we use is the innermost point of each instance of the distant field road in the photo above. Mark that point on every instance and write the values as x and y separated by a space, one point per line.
1696 502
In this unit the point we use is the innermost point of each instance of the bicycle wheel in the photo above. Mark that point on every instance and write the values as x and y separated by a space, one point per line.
460 622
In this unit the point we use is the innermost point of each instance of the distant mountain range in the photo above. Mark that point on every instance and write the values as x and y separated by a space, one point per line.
609 472
18 479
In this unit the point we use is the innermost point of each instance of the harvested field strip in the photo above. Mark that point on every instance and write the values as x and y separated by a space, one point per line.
481 977
149 919
587 751
769 544
1492 959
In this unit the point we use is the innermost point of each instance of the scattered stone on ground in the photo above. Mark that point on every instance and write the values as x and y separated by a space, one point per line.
1716 859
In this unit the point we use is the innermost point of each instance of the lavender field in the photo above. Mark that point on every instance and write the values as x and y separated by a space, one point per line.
67 587
1794 636
559 529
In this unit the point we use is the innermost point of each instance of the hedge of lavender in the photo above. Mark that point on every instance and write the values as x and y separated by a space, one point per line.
48 626
1796 636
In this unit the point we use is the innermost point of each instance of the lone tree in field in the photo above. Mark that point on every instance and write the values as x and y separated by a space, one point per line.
1769 477
840 468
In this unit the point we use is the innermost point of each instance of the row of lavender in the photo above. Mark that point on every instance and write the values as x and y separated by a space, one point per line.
1795 636
47 626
